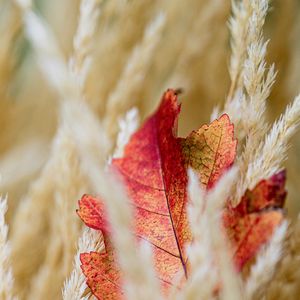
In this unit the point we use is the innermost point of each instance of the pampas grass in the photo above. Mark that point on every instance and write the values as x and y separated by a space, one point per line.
71 96
6 278
263 270
75 286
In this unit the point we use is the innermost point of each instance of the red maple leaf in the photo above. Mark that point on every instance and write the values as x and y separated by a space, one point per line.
154 172
252 222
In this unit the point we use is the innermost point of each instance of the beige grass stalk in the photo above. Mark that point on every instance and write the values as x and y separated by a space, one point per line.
32 222
119 20
48 53
140 282
272 151
256 80
69 185
80 62
75 286
285 284
6 276
234 108
139 279
131 80
238 25
29 227
52 63
231 285
196 43
264 269
200 252
257 83
128 125
215 113
10 26
48 280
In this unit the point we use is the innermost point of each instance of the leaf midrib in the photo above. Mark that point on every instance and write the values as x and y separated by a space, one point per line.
167 198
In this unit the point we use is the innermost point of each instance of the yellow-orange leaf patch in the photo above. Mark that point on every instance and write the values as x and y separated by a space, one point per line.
211 150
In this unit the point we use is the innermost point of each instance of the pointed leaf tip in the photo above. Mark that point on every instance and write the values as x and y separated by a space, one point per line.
92 212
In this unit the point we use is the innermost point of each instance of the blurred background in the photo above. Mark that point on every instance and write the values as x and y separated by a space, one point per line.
193 54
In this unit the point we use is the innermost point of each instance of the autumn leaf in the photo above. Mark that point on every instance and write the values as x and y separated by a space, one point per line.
154 173
211 150
153 170
252 222
92 212
103 274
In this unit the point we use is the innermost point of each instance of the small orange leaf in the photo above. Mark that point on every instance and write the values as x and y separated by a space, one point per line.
211 150
252 222
92 213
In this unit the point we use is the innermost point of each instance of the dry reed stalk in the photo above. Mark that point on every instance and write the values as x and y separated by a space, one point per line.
80 62
216 198
257 86
6 276
272 151
171 47
239 26
54 12
282 32
201 63
264 268
79 66
30 227
45 279
69 185
121 34
200 252
257 83
135 262
34 212
285 284
10 27
248 66
125 93
210 262
127 126
75 286
25 166
196 43
52 61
